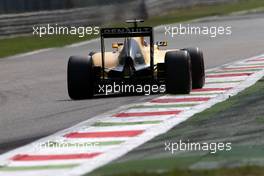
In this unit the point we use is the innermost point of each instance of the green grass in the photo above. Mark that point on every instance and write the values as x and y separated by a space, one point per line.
12 46
260 119
241 171
179 165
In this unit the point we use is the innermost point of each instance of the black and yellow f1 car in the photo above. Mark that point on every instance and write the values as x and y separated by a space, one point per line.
135 61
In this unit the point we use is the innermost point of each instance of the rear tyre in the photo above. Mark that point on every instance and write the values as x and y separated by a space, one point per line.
197 62
178 72
80 77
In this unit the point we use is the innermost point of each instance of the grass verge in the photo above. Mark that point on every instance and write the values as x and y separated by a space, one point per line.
12 46
241 171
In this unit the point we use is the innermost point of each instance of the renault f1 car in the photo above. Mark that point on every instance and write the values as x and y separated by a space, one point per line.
135 61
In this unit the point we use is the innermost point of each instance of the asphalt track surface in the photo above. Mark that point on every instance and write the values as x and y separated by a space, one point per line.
33 95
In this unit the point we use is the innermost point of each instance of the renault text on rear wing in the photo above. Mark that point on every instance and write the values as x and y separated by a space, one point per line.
126 32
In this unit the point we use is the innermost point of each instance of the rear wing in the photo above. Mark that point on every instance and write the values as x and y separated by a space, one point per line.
127 32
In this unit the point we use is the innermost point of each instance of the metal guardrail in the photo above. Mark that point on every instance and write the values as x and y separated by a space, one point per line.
19 24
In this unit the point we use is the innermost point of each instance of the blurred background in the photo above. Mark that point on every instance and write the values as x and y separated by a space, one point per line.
18 16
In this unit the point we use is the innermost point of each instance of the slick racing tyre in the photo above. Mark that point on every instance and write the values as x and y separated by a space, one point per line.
80 77
197 62
178 72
